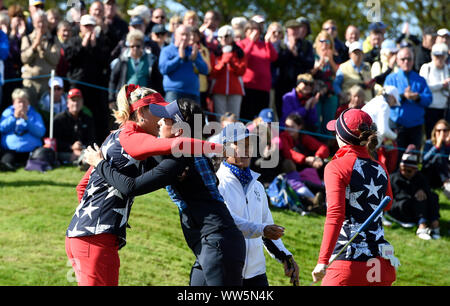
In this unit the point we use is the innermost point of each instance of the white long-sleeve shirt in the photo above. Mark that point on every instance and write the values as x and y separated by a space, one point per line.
379 111
250 211
435 78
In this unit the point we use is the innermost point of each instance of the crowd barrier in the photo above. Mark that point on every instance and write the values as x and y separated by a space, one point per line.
387 147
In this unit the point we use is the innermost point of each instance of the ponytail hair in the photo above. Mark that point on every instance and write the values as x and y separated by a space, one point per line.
368 136
125 98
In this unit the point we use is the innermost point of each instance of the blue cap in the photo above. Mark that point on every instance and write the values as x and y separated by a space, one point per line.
234 132
136 20
377 26
170 111
266 115
158 29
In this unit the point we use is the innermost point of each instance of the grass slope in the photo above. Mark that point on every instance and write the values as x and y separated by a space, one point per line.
36 208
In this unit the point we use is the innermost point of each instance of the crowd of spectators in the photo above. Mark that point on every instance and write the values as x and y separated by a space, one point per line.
243 68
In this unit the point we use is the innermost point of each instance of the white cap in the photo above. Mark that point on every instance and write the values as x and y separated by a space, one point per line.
87 20
258 19
141 10
225 30
392 90
443 32
439 49
57 81
389 46
356 45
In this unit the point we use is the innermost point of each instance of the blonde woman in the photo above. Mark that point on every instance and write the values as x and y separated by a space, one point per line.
99 224
190 19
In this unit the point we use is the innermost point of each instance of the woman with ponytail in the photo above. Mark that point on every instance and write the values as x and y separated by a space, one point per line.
98 228
355 185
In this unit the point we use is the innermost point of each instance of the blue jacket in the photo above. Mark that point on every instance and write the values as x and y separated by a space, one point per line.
21 135
178 74
410 113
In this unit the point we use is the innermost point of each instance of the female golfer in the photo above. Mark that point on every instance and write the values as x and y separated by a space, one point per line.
355 185
98 228
207 224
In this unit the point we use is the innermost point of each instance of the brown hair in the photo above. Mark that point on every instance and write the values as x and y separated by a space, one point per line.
368 136
433 132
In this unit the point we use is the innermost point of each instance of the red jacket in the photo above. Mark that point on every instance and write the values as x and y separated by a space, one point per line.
338 182
287 145
226 74
259 56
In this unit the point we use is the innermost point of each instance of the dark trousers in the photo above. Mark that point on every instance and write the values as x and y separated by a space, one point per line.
220 260
257 281
253 102
411 210
14 158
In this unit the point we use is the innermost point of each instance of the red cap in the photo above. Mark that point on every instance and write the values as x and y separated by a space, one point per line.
154 98
348 124
74 92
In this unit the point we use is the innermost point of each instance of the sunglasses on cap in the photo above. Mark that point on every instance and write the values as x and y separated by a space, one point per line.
325 41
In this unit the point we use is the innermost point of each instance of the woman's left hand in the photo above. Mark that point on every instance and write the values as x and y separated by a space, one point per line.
93 156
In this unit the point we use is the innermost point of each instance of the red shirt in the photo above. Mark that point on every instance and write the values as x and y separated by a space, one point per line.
259 56
338 178
287 145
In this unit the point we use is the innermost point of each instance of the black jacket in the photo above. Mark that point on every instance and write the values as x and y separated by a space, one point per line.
119 71
67 130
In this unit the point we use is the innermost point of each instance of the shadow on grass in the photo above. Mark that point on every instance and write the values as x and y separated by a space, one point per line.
30 183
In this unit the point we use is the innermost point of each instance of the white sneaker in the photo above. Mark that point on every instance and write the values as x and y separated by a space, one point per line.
402 224
424 233
386 222
436 233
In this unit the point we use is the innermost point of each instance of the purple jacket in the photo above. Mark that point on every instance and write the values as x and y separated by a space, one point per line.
291 104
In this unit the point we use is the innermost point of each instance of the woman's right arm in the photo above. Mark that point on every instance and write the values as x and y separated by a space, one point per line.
162 175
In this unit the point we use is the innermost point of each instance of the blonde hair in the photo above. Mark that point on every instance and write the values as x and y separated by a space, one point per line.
123 112
328 36
174 19
135 35
190 14
20 93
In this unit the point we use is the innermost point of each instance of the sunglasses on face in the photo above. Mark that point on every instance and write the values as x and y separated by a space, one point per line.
224 37
135 46
58 88
406 59
307 83
160 17
333 28
442 130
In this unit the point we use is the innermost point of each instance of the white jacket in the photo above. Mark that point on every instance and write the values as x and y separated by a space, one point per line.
379 110
251 213
435 78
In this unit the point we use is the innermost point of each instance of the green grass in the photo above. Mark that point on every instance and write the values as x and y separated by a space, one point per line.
36 208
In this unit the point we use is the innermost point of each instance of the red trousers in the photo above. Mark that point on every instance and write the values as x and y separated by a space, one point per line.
95 259
377 272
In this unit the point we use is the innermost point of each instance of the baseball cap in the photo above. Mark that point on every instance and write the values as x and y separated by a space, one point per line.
258 18
356 45
443 32
439 49
158 29
142 11
234 132
392 90
266 115
170 110
390 46
410 158
57 81
377 26
348 124
304 21
136 20
87 20
74 92
292 24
